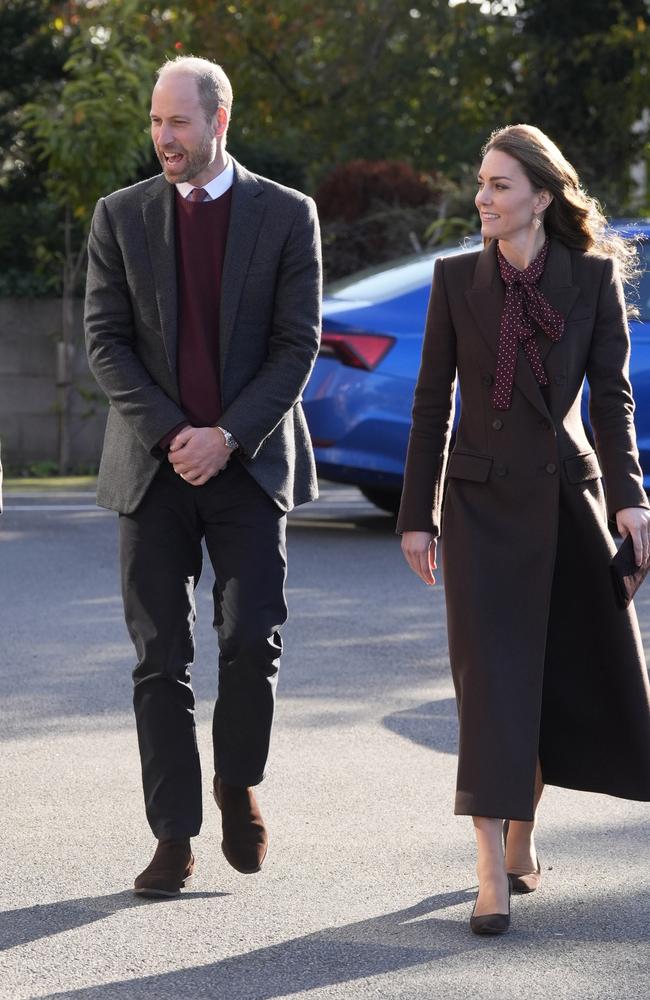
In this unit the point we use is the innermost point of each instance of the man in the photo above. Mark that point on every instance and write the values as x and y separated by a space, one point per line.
202 325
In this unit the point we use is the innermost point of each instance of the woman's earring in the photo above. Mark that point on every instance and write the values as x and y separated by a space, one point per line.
537 221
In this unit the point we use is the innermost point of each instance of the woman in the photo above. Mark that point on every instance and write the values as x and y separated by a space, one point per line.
550 679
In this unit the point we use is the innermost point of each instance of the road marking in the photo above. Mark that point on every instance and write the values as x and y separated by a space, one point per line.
329 509
329 522
55 506
15 494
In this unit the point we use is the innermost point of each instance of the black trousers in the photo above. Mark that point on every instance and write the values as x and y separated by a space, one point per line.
161 558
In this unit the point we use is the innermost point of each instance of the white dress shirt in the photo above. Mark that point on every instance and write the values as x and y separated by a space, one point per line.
215 188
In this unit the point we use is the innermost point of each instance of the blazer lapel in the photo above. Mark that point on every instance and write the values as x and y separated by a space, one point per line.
246 212
158 212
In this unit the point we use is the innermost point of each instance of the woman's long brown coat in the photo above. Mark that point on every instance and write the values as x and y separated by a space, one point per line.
543 660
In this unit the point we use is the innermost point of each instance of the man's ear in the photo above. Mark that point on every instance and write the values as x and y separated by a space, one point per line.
220 121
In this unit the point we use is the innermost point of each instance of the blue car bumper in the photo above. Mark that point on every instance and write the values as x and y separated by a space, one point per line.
359 423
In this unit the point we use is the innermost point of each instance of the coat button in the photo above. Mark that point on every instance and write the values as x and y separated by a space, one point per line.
560 379
497 424
487 380
500 470
551 468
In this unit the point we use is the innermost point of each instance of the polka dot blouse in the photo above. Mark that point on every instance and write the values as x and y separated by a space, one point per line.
524 309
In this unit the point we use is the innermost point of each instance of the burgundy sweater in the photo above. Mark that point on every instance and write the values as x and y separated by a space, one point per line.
201 233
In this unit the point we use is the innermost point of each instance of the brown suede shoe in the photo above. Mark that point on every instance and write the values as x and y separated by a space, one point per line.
245 840
170 870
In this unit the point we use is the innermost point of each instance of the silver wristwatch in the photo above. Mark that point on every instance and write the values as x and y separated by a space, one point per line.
231 442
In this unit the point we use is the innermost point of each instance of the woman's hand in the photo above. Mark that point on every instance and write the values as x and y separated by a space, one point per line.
419 548
635 521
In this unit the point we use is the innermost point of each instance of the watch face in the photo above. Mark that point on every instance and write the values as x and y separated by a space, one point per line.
228 438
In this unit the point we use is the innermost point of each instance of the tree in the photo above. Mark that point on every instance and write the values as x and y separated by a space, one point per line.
92 137
32 66
584 78
372 79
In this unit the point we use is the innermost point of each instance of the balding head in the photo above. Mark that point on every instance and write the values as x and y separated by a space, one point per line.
213 86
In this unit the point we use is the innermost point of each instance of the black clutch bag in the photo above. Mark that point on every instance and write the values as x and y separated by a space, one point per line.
626 575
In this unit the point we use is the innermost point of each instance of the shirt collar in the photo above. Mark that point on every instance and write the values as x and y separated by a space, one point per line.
216 187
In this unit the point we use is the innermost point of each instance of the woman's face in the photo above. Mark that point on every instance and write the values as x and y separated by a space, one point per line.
506 202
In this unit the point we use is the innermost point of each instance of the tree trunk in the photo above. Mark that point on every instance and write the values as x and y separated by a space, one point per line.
65 348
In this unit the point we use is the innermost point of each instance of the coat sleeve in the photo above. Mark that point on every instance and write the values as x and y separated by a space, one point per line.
611 406
433 404
110 341
293 343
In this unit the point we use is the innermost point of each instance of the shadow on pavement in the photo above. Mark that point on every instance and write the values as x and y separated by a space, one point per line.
385 944
336 955
32 923
71 662
433 725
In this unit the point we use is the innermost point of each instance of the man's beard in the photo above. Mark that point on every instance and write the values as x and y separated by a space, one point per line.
196 160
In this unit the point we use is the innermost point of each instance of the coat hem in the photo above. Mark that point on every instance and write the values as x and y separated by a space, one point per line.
467 804
629 794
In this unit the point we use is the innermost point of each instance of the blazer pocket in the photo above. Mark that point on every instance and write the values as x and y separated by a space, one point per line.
580 468
463 465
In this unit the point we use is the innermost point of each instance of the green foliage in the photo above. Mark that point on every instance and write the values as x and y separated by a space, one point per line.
32 66
89 131
584 78
94 135
262 157
38 470
31 246
373 79
316 85
30 475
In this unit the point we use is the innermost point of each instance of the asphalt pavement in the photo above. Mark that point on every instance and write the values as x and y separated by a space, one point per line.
369 882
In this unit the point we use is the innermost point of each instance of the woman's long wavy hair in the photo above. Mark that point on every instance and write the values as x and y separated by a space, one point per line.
573 217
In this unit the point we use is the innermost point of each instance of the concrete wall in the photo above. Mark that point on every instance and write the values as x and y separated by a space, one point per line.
29 424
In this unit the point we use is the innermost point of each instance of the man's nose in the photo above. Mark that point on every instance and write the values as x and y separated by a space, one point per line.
165 135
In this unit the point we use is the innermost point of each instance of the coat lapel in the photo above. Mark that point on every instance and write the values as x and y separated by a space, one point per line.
557 285
158 212
486 296
246 212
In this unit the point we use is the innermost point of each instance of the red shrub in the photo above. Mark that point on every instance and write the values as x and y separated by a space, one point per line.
353 189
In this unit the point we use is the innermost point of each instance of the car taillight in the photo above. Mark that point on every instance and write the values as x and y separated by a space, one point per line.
358 350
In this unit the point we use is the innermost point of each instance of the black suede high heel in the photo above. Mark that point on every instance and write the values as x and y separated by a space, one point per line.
491 923
522 883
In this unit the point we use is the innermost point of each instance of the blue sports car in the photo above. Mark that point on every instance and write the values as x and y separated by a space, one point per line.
358 400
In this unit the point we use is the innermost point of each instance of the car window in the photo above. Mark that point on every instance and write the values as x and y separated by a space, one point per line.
405 275
399 277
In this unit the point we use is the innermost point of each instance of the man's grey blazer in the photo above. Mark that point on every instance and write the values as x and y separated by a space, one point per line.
268 333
